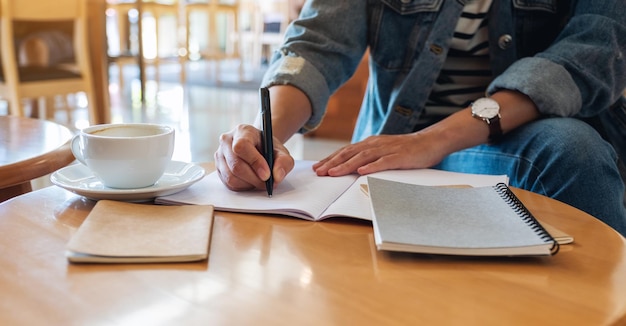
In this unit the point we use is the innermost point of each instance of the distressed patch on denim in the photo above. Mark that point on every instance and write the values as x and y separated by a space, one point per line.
290 66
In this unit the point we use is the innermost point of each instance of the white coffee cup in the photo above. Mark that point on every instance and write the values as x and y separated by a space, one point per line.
127 155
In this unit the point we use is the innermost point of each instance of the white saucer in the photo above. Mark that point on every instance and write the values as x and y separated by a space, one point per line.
80 180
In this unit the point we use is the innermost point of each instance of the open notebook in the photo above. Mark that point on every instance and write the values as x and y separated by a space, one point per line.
305 195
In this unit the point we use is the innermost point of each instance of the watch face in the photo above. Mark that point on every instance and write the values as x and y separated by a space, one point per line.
485 108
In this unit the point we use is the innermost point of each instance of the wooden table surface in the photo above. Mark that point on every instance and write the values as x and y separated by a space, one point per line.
270 270
29 149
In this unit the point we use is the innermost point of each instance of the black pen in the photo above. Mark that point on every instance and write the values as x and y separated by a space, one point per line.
267 138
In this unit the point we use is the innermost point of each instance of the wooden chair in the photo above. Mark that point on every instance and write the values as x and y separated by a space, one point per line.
266 22
137 54
221 35
53 78
344 105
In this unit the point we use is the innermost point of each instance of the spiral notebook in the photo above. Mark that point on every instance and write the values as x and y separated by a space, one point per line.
480 221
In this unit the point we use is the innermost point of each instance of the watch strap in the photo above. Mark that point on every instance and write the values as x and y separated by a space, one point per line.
495 130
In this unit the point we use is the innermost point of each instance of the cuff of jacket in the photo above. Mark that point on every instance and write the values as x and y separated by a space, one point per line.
293 70
548 84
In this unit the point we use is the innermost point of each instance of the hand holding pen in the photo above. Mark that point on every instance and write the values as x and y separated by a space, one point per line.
240 159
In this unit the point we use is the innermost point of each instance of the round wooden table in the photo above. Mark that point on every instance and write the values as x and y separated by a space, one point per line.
29 149
271 270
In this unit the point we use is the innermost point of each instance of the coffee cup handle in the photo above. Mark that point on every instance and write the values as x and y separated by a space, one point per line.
75 147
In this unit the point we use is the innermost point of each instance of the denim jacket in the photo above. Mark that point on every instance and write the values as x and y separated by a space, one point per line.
567 56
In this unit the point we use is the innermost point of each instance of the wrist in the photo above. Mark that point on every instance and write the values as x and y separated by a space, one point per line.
516 109
488 110
456 132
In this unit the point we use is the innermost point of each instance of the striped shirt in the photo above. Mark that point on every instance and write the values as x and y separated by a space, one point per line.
466 73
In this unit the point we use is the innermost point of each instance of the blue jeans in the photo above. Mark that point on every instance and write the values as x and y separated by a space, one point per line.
562 158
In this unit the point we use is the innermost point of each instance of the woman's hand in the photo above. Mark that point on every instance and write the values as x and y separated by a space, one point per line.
240 163
429 146
383 152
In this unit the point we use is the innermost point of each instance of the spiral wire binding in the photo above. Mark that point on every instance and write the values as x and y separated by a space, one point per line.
509 197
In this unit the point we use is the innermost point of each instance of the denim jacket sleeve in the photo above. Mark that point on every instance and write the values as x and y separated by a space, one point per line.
583 71
321 51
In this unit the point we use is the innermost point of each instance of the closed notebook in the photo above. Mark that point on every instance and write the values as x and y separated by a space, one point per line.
481 221
120 232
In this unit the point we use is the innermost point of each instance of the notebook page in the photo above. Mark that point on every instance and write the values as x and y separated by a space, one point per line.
302 194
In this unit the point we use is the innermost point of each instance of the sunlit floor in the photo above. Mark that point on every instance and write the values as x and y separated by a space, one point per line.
199 113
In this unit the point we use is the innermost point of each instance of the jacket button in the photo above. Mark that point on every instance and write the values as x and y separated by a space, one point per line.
406 112
505 41
436 49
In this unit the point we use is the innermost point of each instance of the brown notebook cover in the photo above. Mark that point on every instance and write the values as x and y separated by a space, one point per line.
121 232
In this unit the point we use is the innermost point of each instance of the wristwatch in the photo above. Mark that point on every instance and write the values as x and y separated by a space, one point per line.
488 110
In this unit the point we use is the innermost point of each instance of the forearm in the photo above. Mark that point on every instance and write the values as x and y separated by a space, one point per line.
291 109
461 130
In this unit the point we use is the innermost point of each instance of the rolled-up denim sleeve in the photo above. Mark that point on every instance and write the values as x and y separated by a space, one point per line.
584 71
549 85
291 69
321 51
